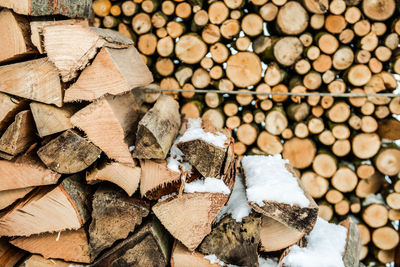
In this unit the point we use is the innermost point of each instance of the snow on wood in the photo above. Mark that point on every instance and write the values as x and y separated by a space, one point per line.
267 262
268 179
209 184
195 131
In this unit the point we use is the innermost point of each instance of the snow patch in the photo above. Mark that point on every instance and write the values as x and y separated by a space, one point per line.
237 205
209 184
212 258
267 262
268 179
166 197
326 245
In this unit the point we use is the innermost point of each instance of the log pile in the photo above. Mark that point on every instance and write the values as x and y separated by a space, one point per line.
343 148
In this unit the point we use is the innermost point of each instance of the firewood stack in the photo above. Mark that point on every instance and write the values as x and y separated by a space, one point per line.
342 147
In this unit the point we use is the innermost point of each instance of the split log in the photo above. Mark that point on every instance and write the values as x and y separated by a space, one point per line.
152 142
124 68
69 245
68 153
10 106
24 172
8 197
126 177
353 243
50 119
48 209
241 247
275 236
34 79
73 9
149 246
182 257
15 36
9 255
110 123
157 179
114 216
37 260
19 135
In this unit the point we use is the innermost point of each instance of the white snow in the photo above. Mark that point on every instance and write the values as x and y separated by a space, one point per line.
237 205
209 184
166 197
213 259
194 131
267 262
267 178
326 244
373 199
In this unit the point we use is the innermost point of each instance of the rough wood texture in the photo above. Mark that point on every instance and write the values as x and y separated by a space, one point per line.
39 261
50 119
353 244
34 79
8 197
9 255
70 245
48 209
389 129
113 71
293 216
70 46
114 216
10 106
25 171
124 176
69 8
110 123
19 135
157 179
149 246
182 257
234 242
68 153
158 129
14 36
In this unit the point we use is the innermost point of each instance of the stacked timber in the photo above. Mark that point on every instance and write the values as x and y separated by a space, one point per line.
343 148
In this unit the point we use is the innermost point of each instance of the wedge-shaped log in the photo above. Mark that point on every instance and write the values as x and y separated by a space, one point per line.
113 71
158 129
69 8
351 255
110 123
149 246
71 47
182 257
69 245
126 177
19 135
15 40
37 260
241 246
50 119
10 106
8 197
157 179
25 171
68 153
275 236
49 209
34 79
114 216
9 255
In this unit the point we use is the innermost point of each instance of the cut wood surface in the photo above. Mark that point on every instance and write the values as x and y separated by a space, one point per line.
70 245
34 79
152 142
48 209
10 106
39 261
8 197
114 216
182 257
82 9
68 153
126 177
121 70
110 124
9 255
15 38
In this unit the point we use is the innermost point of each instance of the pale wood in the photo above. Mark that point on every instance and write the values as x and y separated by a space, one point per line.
50 119
10 106
366 145
269 143
244 69
14 33
388 161
299 152
48 209
353 243
39 261
69 245
126 177
375 215
190 48
121 70
182 257
385 238
287 50
345 180
19 135
379 10
68 153
324 164
114 216
314 184
110 124
286 22
151 141
9 255
370 185
8 197
34 79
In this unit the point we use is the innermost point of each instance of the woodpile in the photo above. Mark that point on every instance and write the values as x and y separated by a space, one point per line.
342 148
